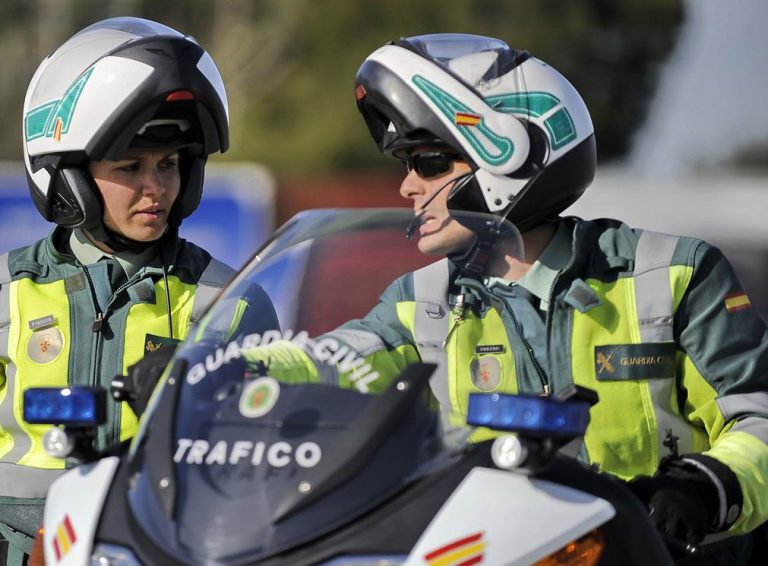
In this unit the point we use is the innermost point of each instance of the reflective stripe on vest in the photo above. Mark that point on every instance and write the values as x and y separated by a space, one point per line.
5 307
21 442
26 482
15 480
431 324
655 310
9 370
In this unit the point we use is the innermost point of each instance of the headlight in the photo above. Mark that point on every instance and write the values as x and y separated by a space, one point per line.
111 555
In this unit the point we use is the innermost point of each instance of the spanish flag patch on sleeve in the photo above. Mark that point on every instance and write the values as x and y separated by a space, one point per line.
737 301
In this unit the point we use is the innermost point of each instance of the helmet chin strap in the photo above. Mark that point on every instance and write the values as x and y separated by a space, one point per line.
460 181
473 260
119 243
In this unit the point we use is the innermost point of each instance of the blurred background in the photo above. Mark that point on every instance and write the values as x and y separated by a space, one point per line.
676 90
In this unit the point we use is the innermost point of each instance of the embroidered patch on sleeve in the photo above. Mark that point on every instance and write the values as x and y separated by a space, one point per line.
737 301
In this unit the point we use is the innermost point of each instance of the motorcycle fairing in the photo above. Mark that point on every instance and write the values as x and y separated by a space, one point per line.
72 512
490 505
245 511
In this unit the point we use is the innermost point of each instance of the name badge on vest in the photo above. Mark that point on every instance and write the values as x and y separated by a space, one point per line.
622 362
46 341
153 342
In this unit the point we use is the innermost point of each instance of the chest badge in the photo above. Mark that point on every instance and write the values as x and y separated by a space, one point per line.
45 345
485 372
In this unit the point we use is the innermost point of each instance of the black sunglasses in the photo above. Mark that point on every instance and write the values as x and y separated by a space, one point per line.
430 164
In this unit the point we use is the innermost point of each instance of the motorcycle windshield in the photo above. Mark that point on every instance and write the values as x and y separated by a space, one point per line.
262 436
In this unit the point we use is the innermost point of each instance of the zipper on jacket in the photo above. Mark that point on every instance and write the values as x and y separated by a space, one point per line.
99 319
531 355
457 314
112 436
550 314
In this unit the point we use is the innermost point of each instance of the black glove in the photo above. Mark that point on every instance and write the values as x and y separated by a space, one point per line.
691 496
137 386
675 504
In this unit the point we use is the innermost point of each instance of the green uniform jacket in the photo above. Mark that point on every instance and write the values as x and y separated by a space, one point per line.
62 323
658 325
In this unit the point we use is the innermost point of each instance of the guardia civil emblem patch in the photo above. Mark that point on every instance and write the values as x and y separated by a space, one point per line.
45 345
258 397
153 342
485 372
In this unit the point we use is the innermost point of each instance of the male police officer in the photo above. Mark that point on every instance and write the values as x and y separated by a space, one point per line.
658 325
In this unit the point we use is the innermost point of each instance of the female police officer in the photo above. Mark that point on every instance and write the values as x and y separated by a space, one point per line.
118 124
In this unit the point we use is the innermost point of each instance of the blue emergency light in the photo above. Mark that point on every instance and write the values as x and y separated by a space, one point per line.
70 406
536 416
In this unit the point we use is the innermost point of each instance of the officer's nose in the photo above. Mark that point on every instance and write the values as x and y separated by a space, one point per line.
152 181
412 186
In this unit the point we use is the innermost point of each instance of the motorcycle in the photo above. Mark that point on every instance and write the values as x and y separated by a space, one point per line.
241 459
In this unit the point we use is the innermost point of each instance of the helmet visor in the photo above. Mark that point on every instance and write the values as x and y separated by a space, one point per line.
470 58
135 27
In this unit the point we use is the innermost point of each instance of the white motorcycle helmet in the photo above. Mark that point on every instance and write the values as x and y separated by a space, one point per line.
519 123
120 83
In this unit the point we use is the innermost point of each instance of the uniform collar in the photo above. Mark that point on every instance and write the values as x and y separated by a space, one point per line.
540 278
87 253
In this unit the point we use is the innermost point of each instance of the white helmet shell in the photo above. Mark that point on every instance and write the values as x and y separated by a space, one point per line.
89 98
511 115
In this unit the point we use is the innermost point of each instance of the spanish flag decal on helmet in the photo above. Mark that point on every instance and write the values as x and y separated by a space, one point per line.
737 301
467 119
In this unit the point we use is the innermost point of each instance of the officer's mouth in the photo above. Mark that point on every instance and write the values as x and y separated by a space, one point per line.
151 213
427 224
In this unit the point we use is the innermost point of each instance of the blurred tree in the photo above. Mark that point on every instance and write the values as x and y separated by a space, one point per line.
289 65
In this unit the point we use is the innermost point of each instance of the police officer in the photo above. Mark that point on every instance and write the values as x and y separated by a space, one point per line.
118 123
657 325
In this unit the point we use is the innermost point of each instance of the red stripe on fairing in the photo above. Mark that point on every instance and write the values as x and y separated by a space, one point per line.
452 546
471 561
70 530
56 548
